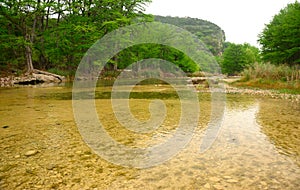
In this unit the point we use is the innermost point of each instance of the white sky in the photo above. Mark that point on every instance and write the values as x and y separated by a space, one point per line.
242 20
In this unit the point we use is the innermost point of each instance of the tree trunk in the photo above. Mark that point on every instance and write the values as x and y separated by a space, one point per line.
28 53
115 66
29 59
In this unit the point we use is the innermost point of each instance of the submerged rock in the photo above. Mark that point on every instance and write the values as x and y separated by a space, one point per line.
31 153
51 166
207 186
232 181
214 179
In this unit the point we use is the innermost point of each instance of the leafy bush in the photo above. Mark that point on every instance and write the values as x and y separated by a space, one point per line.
61 72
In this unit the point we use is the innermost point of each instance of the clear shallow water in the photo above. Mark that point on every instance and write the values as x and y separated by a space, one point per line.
257 146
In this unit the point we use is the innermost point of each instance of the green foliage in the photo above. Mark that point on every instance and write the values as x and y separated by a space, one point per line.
58 33
62 72
236 57
210 34
280 39
145 51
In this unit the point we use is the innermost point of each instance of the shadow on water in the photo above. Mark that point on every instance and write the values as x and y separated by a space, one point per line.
107 95
147 89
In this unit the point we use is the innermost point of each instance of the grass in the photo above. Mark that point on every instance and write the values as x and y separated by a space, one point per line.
269 71
282 78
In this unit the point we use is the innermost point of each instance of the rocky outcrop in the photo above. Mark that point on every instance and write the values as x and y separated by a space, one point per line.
6 81
37 77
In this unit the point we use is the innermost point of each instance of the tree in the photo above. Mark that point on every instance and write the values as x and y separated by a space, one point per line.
280 39
57 33
22 17
237 57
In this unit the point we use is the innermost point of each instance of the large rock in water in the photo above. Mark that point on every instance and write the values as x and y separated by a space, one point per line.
38 77
45 78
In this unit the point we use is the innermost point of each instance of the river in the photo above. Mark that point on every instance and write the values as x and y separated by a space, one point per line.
257 145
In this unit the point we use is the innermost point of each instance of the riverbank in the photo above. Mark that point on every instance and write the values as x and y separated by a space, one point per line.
263 92
234 86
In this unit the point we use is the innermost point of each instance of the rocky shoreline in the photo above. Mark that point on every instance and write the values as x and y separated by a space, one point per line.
257 92
264 93
6 81
38 77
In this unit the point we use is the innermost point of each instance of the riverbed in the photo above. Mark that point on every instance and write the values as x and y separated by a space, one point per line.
257 145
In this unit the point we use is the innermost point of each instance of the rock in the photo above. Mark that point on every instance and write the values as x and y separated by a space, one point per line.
5 127
18 156
263 183
198 80
214 179
51 166
31 152
207 186
38 77
45 78
219 187
232 181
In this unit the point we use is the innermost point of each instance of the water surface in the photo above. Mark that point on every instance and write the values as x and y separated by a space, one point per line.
257 146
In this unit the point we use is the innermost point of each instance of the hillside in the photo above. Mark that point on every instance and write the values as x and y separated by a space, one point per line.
211 34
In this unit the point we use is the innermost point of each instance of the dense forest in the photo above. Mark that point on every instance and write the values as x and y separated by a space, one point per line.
54 35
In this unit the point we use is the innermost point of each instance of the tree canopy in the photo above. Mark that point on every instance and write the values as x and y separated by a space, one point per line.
237 57
280 39
57 33
54 35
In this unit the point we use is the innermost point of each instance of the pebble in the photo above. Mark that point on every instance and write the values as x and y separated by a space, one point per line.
18 156
207 186
214 179
263 183
218 187
31 152
270 93
51 166
232 181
